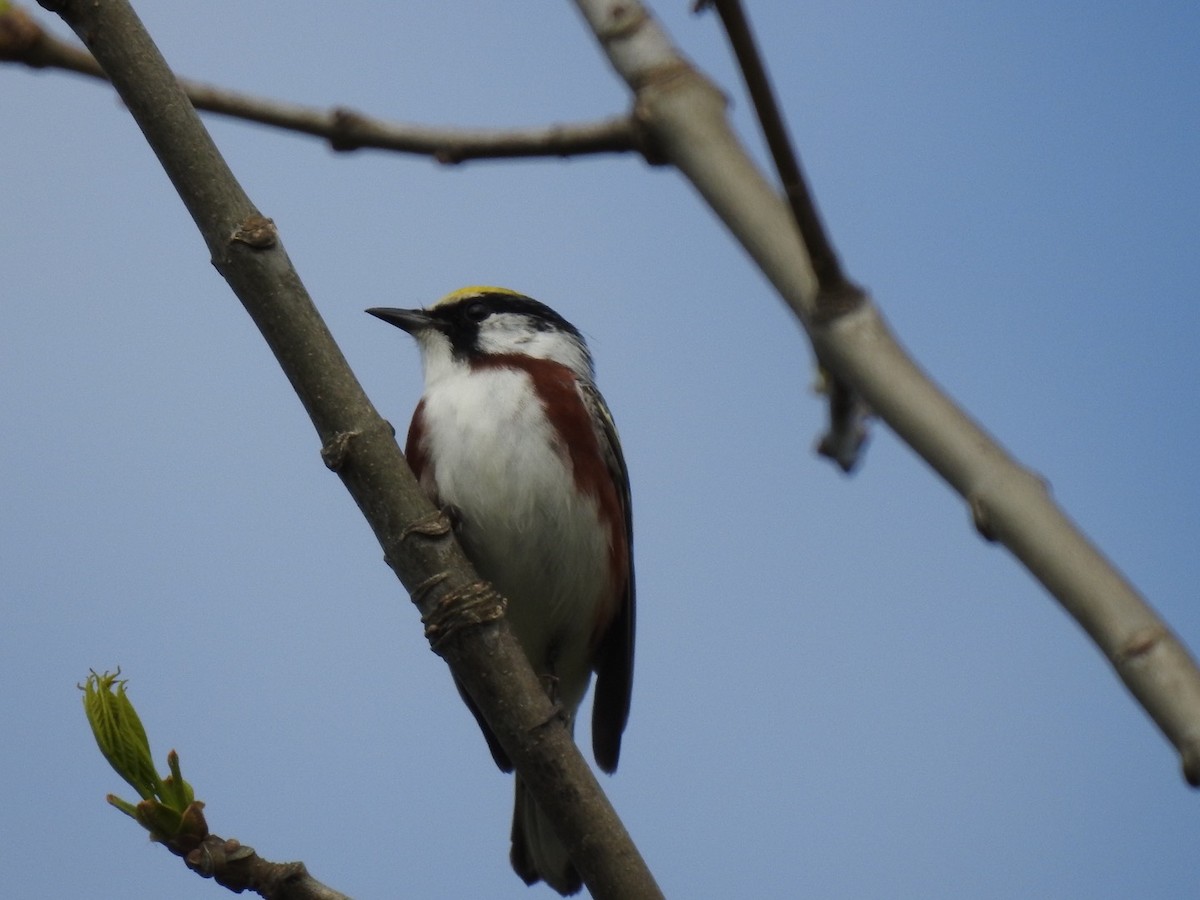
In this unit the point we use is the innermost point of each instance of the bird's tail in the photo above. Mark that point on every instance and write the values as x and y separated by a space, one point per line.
537 853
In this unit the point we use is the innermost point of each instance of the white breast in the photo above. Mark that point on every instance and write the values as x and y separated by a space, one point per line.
522 522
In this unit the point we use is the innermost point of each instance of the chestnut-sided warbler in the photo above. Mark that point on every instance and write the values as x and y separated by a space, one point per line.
512 438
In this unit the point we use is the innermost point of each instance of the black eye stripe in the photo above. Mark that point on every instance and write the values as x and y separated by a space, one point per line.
469 313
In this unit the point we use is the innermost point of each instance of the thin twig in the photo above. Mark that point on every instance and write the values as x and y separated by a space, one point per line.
239 868
23 40
849 414
826 265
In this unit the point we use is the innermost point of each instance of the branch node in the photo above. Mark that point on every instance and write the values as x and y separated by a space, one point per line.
257 232
215 853
344 123
835 298
981 518
1141 644
337 450
624 20
645 142
435 524
475 603
419 593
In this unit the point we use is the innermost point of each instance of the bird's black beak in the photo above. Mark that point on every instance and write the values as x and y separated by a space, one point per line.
411 320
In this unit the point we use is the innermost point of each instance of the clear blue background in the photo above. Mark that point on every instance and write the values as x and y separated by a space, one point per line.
841 691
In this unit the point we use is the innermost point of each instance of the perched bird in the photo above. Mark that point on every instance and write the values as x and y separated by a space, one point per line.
512 438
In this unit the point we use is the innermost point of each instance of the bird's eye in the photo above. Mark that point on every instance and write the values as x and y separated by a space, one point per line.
477 311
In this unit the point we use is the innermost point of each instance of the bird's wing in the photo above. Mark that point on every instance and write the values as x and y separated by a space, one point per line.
614 652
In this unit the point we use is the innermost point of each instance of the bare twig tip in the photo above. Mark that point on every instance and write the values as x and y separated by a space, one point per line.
843 449
1191 766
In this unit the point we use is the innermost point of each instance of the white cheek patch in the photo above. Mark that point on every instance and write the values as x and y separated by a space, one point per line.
511 333
505 333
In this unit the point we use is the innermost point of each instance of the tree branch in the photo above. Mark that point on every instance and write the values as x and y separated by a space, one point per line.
239 868
826 265
360 446
848 412
685 117
23 40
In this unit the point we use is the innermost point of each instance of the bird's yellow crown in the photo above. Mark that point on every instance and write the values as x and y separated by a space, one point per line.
473 290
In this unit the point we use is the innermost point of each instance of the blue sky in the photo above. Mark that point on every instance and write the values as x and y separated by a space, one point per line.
841 691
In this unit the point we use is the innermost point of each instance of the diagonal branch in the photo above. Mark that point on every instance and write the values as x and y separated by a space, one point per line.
360 446
685 116
23 40
826 265
239 868
848 413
